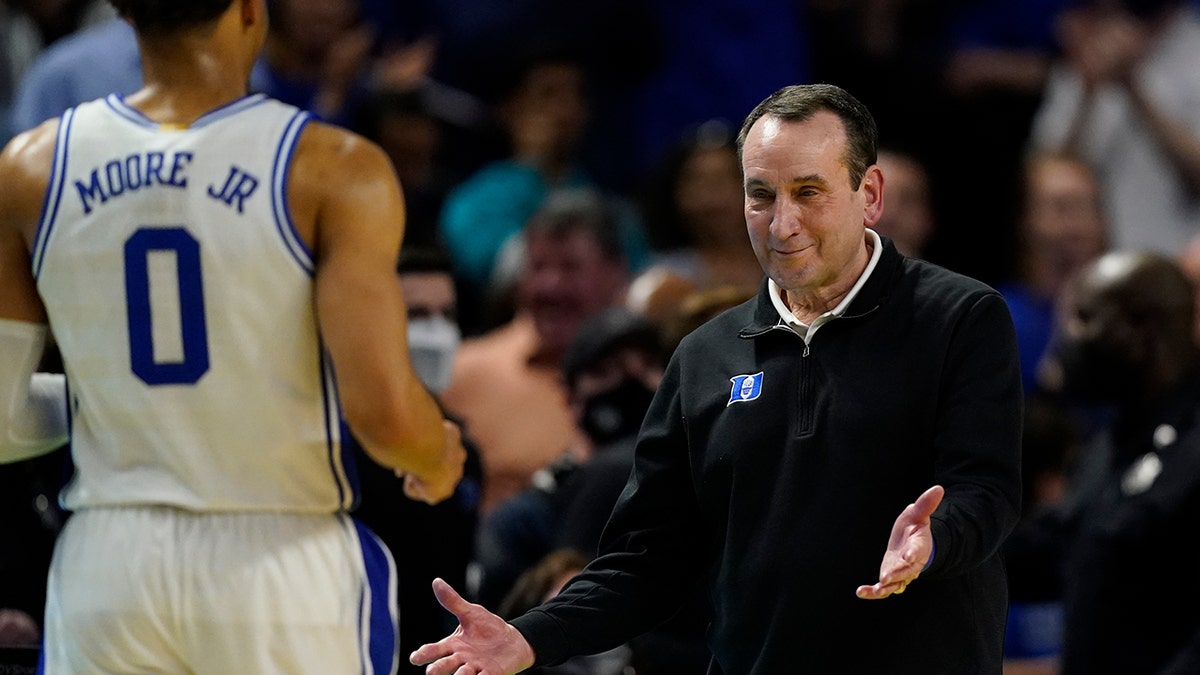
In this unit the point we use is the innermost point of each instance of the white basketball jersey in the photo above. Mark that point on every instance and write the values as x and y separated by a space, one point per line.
181 299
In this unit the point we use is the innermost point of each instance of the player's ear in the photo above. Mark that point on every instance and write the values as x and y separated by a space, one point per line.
253 11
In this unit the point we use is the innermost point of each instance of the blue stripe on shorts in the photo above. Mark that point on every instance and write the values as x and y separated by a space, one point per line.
382 639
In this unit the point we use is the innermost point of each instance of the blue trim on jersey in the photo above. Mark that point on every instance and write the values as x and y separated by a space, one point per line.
279 198
231 108
350 447
128 112
53 197
334 442
381 638
68 469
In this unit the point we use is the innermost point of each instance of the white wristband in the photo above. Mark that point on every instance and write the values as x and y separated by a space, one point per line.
33 406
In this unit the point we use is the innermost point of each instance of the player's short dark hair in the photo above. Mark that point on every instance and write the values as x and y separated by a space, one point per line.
165 16
422 258
800 102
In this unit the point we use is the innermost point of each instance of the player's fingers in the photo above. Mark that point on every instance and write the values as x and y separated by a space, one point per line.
413 488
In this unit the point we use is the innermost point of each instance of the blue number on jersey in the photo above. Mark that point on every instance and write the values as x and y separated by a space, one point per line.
191 306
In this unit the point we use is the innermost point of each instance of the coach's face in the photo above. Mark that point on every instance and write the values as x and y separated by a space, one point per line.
805 219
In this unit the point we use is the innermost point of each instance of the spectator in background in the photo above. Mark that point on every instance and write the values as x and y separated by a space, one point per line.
410 128
543 110
1034 629
507 383
696 308
318 56
1189 262
1127 343
713 59
1002 47
32 518
1061 229
527 525
543 581
1124 96
427 284
27 27
997 56
908 219
693 207
611 371
30 524
93 62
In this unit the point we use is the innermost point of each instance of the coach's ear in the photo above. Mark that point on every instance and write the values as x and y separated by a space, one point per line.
872 190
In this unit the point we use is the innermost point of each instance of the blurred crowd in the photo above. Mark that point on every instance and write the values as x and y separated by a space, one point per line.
574 207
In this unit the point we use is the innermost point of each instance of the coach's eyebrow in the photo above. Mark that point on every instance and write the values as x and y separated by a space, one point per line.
810 179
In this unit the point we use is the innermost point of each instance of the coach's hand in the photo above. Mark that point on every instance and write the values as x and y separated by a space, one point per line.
483 643
909 547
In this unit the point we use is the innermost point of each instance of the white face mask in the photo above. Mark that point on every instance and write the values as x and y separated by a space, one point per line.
432 341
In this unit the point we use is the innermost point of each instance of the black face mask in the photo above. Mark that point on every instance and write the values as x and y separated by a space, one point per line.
617 412
1097 373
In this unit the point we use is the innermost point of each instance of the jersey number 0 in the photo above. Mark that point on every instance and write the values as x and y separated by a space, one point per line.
144 308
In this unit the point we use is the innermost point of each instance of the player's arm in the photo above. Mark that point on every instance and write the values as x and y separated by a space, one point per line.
348 188
33 411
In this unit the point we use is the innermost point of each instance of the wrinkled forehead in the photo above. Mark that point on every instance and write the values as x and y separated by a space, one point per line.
780 151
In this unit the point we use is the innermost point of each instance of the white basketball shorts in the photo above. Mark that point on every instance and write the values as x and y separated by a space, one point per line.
158 589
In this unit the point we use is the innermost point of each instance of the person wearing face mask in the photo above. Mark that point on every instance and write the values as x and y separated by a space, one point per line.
433 331
426 282
611 370
1126 523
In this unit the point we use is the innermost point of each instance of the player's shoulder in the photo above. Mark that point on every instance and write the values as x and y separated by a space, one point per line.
29 154
324 144
329 159
26 163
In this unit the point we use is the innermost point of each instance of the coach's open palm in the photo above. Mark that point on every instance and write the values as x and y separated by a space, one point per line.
909 547
483 642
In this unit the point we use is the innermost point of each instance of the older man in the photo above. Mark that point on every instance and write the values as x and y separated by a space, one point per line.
787 434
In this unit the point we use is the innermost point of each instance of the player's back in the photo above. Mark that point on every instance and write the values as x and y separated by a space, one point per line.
181 299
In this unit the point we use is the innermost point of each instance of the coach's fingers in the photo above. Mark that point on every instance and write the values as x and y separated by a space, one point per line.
928 502
450 599
881 590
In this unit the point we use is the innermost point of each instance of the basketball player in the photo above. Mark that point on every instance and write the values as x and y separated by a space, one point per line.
217 272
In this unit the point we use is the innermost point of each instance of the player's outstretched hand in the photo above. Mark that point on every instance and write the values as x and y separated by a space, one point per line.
909 547
437 488
483 643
